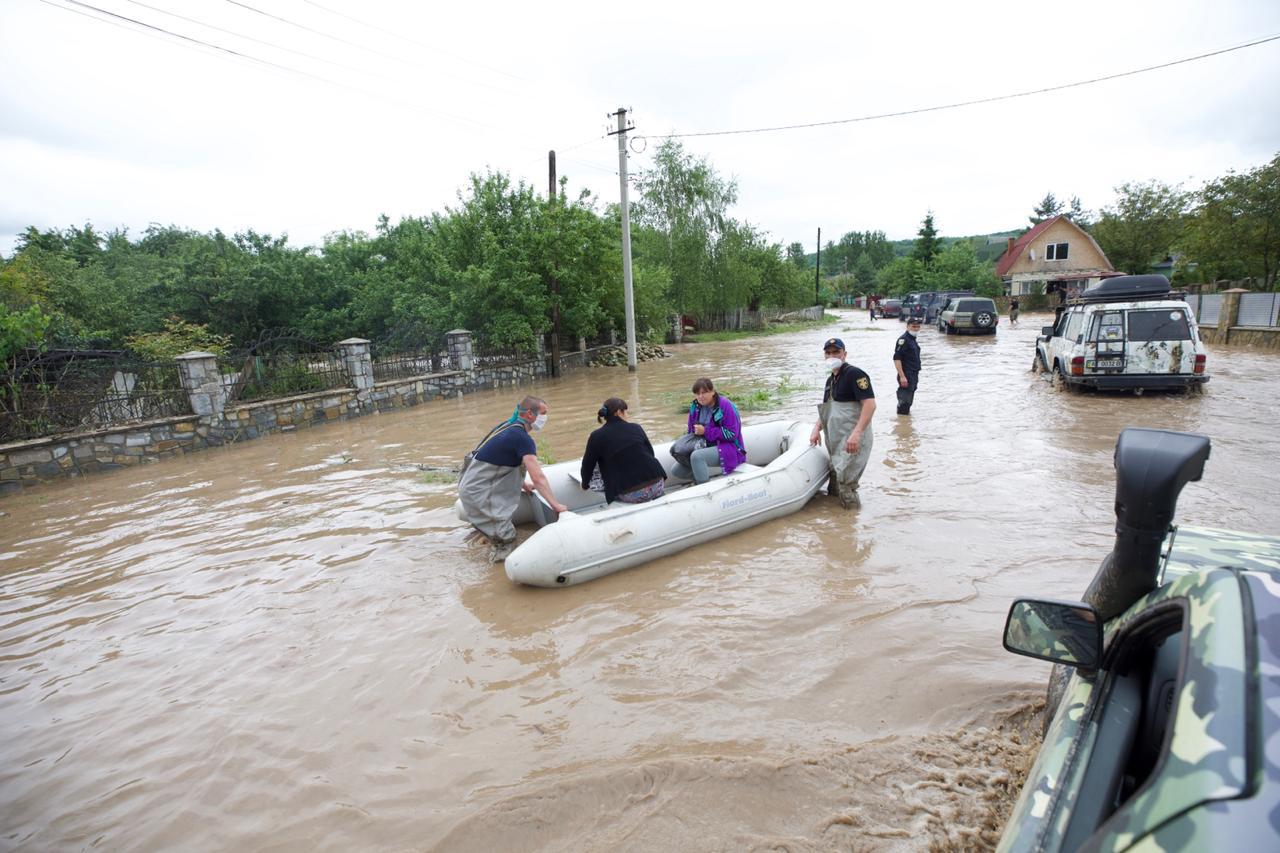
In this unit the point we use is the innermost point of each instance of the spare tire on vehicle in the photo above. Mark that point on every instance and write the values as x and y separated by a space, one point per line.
983 319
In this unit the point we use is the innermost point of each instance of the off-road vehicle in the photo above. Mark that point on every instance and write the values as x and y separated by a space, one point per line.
970 315
1164 708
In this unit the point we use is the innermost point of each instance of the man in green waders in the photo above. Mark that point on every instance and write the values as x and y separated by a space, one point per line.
848 403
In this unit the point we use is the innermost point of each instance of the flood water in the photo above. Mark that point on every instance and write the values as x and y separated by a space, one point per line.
292 644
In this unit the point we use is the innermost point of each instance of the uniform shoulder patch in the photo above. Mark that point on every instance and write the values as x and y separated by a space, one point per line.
901 342
864 383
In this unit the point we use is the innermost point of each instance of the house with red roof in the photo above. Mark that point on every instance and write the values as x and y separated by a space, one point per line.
1056 255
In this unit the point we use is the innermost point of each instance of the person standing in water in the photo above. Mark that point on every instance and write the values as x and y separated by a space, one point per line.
848 404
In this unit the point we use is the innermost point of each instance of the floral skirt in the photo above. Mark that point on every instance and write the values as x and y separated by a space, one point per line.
644 494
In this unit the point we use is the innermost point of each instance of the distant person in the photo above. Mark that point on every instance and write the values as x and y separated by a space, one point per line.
491 484
871 307
906 360
631 473
1013 311
715 418
848 404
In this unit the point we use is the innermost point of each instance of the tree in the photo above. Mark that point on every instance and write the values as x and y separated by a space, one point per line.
1143 225
958 268
1078 214
1048 208
796 254
900 276
927 243
1234 229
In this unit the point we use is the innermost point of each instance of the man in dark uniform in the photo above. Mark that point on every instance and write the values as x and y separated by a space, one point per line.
906 360
848 403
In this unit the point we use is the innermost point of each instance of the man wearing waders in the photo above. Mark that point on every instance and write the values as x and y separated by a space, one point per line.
491 484
848 402
906 360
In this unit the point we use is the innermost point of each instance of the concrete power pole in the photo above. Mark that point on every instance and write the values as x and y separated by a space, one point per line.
628 300
553 197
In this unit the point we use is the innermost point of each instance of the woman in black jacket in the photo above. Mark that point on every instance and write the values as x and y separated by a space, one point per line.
631 473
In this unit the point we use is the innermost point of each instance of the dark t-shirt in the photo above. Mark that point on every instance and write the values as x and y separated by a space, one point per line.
508 448
907 351
850 384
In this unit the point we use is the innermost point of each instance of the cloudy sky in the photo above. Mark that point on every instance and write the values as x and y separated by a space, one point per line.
304 118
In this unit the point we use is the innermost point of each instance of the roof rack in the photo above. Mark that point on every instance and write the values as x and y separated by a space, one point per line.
1128 288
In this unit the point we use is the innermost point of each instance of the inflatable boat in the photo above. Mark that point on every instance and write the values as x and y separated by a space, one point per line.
782 472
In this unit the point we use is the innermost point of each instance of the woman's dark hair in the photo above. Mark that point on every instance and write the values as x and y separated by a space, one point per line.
609 411
704 384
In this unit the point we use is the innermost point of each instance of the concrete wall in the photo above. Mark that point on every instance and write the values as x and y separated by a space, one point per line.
1226 333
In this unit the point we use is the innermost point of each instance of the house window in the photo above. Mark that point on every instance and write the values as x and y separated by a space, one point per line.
1056 252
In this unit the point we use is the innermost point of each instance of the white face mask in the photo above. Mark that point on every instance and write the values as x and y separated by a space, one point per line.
539 422
911 332
833 363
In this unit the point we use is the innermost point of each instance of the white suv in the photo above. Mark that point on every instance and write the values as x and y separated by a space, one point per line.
1129 332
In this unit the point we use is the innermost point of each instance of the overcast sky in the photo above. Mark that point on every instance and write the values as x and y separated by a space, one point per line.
386 106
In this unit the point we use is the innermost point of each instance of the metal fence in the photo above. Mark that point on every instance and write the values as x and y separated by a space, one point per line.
1205 307
1259 309
409 349
487 355
281 363
60 391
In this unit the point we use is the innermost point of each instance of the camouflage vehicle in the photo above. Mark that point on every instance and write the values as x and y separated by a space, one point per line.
1128 333
1164 709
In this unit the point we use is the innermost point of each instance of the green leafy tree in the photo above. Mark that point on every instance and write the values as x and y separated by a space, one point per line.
176 338
927 243
1234 229
1142 226
901 276
958 268
1048 208
796 255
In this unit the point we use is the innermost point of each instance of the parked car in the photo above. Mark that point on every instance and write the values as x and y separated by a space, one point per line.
908 305
919 308
888 308
932 306
1164 706
1129 332
968 315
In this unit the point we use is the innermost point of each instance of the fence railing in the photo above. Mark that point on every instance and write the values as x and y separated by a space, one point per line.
1205 307
47 393
281 364
1259 309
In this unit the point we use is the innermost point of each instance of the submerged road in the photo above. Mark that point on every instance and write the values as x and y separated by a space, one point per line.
293 644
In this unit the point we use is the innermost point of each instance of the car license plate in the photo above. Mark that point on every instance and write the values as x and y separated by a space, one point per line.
1109 363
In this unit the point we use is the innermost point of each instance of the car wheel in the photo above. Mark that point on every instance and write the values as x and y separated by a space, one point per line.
984 319
1058 380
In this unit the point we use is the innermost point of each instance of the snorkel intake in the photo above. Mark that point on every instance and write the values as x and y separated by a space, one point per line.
1152 466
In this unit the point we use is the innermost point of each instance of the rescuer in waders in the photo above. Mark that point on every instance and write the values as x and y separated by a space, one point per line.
848 403
491 484
906 360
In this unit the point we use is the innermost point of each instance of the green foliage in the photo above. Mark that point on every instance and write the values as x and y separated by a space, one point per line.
927 243
19 330
900 277
958 268
1048 208
1143 226
176 338
1233 231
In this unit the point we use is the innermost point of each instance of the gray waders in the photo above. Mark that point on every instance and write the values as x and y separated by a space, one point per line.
838 420
490 495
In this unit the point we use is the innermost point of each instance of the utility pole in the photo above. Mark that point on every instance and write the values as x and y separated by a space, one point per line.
817 270
552 198
628 300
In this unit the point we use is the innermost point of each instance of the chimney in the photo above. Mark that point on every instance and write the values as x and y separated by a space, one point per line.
1009 248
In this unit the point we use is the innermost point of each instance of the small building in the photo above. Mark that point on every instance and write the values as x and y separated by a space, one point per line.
1055 255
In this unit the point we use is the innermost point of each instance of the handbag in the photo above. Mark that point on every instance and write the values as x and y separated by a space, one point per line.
682 448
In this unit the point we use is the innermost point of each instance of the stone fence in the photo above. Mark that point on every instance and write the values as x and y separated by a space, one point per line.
215 421
1224 326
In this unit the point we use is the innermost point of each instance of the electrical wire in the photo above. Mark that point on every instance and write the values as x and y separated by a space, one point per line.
976 101
371 50
403 37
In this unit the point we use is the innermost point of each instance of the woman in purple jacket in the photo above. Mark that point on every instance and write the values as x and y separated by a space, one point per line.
716 419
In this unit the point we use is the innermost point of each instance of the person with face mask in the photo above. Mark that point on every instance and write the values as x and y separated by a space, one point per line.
491 484
906 359
848 404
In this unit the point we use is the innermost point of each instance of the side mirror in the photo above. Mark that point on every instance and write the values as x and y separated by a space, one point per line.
1066 632
1047 331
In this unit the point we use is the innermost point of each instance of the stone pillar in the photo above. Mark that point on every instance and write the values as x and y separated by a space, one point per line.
677 328
203 383
460 350
582 344
359 364
1229 315
613 337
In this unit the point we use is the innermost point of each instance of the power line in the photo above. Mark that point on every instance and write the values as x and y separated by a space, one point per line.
190 40
368 49
976 101
402 37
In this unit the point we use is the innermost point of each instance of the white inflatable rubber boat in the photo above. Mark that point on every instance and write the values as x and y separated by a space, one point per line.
782 472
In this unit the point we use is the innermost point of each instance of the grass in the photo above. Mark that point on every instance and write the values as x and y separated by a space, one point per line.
752 397
775 329
437 477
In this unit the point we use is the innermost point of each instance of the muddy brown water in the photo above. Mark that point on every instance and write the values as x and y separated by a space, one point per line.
292 644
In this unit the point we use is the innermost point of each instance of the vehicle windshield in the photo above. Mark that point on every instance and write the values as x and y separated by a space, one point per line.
1162 324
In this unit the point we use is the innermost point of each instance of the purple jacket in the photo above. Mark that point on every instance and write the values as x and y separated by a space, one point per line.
724 431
